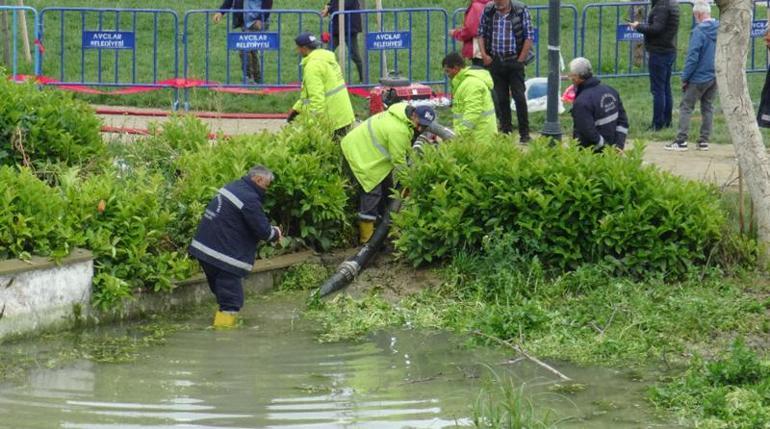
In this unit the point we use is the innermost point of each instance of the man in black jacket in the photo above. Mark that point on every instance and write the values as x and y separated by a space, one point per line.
660 33
598 115
352 28
226 241
248 21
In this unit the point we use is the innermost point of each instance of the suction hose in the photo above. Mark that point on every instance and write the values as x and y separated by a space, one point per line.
444 132
349 269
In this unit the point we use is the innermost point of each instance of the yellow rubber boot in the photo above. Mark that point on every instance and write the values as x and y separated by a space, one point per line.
225 319
365 230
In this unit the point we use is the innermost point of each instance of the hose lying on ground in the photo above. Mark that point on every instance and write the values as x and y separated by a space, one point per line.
349 269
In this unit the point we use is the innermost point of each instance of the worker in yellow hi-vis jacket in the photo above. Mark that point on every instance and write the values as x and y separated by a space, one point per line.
473 110
323 86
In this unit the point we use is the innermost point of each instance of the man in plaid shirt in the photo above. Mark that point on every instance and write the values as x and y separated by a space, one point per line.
506 37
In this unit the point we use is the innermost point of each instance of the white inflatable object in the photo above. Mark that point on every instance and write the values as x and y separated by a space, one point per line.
537 95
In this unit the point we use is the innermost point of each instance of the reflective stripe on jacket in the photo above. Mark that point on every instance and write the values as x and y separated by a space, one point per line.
378 145
232 225
598 115
324 89
473 110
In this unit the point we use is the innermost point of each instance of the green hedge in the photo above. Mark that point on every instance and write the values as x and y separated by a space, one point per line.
33 217
308 198
138 214
41 126
565 205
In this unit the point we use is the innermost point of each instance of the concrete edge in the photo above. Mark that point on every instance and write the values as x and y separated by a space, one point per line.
195 290
17 266
188 292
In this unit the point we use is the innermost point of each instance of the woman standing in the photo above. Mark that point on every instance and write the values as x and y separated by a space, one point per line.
468 33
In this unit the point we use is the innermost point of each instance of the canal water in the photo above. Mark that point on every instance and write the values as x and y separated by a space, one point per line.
272 373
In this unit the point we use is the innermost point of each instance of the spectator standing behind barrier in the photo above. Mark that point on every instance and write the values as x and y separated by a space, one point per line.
352 29
763 115
660 33
248 21
505 39
473 110
373 149
699 80
225 243
323 86
469 32
598 115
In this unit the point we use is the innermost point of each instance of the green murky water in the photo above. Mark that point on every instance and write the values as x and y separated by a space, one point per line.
273 374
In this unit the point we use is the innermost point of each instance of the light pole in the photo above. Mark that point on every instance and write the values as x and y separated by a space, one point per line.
552 129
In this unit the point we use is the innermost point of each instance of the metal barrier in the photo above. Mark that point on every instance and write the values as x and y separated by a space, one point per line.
395 39
12 46
627 48
142 48
539 14
208 49
758 28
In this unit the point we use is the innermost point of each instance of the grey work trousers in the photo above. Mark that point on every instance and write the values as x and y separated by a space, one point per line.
705 93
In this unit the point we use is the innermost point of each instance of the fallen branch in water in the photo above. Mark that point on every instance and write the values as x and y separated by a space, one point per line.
520 350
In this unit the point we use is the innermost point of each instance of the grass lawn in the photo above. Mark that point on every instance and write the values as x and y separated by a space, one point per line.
158 61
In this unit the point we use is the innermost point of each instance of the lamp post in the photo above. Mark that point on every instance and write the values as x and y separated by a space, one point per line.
552 129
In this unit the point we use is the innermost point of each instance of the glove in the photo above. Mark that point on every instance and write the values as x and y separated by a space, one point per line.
292 115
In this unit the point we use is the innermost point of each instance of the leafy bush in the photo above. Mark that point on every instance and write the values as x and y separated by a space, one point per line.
167 142
40 126
729 392
307 199
125 221
565 205
32 217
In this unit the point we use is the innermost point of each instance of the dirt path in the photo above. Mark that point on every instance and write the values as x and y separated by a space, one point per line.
717 166
227 126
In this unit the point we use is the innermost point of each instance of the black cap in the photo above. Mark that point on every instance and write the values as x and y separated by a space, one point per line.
307 39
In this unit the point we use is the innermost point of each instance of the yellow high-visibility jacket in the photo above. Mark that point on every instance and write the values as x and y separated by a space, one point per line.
378 145
473 111
324 90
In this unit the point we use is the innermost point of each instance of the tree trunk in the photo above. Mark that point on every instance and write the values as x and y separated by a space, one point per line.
732 47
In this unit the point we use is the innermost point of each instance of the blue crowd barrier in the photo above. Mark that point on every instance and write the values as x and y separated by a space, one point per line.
141 47
214 52
758 53
569 41
117 47
13 46
388 35
626 49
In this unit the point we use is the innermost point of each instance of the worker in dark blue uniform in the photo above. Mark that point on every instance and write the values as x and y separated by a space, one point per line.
226 241
598 115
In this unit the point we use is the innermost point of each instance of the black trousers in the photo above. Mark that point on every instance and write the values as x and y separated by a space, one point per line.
351 40
763 113
372 204
225 286
508 77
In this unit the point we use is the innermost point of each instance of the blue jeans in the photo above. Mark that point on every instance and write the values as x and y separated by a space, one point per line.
661 66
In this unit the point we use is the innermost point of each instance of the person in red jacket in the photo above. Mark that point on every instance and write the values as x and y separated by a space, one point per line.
468 33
